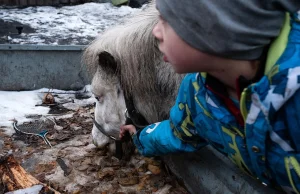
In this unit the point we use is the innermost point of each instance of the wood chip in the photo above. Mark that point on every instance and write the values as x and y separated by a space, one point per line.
154 169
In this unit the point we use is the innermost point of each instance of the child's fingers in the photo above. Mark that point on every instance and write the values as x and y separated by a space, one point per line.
131 129
122 131
124 128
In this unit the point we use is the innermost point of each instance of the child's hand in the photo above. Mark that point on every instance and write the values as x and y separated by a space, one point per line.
127 128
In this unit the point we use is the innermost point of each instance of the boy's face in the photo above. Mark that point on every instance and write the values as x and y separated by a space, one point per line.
182 56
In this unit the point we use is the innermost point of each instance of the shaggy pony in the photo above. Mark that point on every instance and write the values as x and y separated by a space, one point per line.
126 57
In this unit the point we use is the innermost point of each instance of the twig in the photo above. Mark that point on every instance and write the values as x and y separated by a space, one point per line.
46 104
62 92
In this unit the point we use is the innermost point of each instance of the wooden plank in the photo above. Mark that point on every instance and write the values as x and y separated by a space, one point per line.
64 1
74 1
47 2
32 2
7 2
23 3
55 2
40 2
15 2
11 2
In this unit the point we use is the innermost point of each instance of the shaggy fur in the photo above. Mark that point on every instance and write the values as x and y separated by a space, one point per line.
136 67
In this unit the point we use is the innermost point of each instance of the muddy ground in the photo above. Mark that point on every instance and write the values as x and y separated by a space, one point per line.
74 165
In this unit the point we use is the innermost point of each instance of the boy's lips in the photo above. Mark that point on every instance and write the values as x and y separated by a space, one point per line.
165 58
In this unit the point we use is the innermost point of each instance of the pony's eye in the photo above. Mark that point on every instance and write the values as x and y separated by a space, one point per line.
100 99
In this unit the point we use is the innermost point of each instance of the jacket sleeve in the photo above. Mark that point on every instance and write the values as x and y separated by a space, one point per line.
283 151
292 160
283 155
166 137
292 119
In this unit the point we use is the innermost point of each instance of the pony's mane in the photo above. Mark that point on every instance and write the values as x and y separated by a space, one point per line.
138 58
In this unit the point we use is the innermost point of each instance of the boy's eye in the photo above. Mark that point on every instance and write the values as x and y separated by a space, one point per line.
161 18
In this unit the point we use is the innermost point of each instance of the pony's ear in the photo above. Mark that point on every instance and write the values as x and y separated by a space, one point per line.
107 62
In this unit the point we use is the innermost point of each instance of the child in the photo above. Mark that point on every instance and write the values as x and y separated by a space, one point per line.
246 103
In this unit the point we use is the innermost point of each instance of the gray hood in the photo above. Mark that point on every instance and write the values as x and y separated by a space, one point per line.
236 29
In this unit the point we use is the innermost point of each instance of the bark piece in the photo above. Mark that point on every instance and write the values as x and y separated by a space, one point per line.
14 177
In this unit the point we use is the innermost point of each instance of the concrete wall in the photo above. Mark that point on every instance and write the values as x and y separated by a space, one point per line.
207 171
29 67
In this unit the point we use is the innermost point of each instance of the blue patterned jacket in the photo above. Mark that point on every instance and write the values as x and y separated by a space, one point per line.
267 146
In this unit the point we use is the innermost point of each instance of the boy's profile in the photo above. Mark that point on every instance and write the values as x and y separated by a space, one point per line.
241 94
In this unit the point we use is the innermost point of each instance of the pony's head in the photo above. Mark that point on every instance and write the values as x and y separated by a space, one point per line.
110 105
126 59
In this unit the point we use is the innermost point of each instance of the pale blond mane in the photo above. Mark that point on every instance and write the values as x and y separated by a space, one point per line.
139 61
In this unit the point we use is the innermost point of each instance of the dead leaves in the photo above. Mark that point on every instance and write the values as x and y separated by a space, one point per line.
102 173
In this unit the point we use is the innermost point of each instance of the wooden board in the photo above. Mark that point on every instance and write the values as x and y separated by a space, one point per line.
31 2
23 2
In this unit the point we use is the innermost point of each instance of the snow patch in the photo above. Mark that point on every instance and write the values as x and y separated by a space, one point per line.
65 25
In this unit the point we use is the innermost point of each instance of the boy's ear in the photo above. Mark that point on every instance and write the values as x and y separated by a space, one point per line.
107 62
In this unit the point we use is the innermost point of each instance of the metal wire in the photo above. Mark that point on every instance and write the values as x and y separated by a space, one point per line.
37 128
